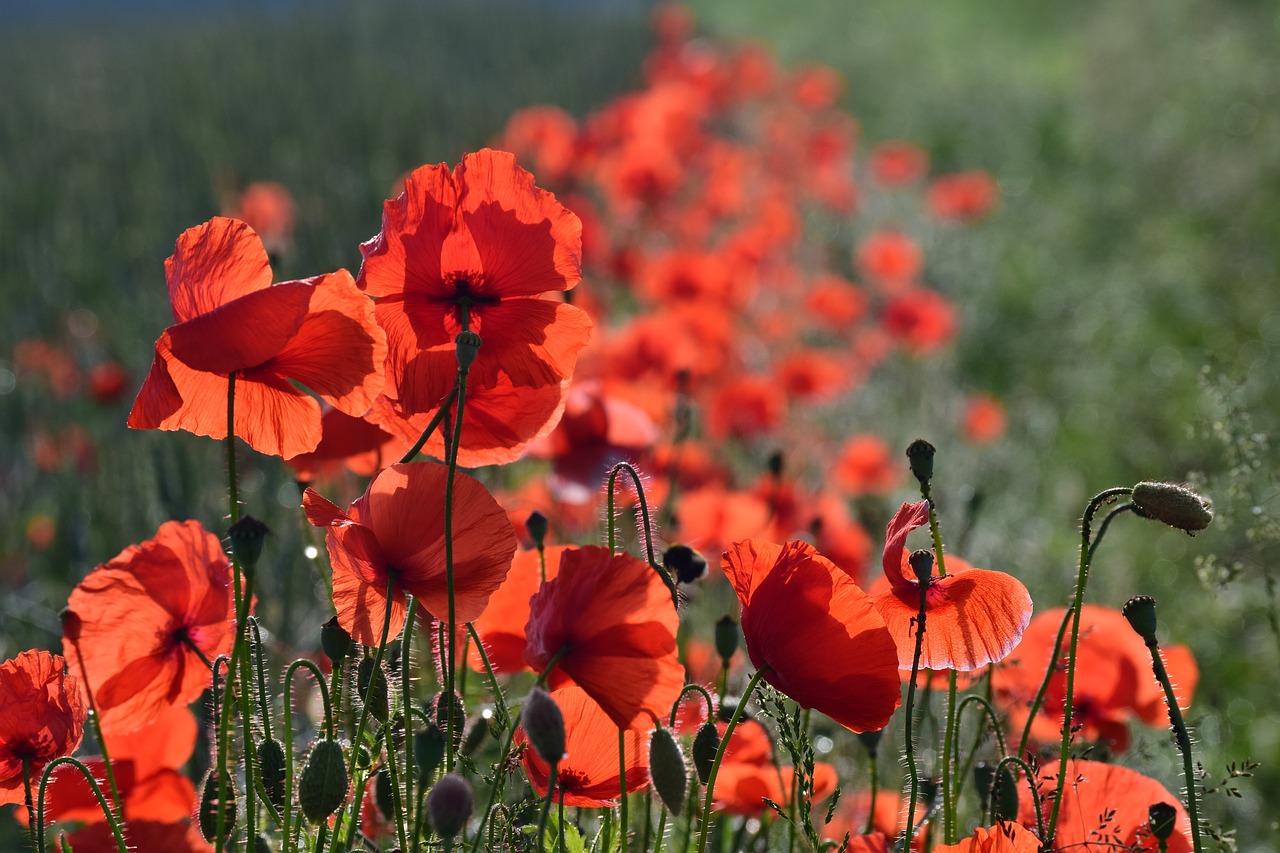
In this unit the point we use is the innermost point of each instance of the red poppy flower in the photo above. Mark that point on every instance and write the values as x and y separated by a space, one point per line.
319 332
897 162
866 466
741 789
816 631
1004 837
42 716
889 819
587 776
963 196
610 619
890 258
835 303
1105 800
107 382
984 419
920 319
745 407
501 626
975 616
144 836
813 376
266 207
395 531
480 243
544 138
137 617
359 444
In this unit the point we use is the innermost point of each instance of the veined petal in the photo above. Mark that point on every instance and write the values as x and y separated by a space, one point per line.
244 332
213 264
906 519
534 341
405 255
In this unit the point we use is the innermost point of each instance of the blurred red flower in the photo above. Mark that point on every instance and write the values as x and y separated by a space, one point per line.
395 531
816 631
266 207
42 716
474 248
319 332
866 466
896 163
974 616
136 622
921 319
144 836
984 419
501 626
963 196
609 622
1003 837
890 258
107 382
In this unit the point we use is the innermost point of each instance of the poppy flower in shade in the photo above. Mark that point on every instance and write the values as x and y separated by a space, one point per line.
1114 683
106 382
745 407
741 788
501 626
476 248
984 419
835 303
896 163
963 196
319 332
136 621
395 531
920 319
974 616
266 207
609 620
1105 800
1004 837
359 444
866 466
796 602
890 258
42 716
587 776
144 836
813 375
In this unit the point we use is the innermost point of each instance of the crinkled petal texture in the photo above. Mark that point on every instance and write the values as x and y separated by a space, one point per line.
320 332
816 631
1003 837
1106 800
395 532
501 626
587 776
485 242
741 788
42 716
140 614
611 620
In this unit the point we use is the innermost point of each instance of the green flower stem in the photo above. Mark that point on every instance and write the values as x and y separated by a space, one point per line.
913 772
645 521
96 724
264 700
432 425
546 805
874 772
693 688
1031 785
1082 578
662 829
448 563
1044 683
34 829
38 820
1182 736
500 705
724 743
397 803
622 781
995 728
314 669
406 701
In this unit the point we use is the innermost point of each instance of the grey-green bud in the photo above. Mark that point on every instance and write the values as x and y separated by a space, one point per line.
1174 505
667 770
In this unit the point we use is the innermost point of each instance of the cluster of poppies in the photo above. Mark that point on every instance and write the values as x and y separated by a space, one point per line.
692 205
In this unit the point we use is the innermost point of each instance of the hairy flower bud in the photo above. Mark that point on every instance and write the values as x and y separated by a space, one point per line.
371 682
210 806
1141 613
667 770
247 537
544 725
449 805
323 785
334 640
272 767
536 524
705 745
1176 506
727 638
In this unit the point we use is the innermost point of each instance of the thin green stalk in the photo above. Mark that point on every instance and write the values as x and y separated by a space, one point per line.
645 521
662 830
1082 578
1182 736
34 829
448 561
431 427
96 725
38 815
995 728
1034 788
288 736
913 772
546 805
397 804
622 781
874 772
724 743
1044 683
406 699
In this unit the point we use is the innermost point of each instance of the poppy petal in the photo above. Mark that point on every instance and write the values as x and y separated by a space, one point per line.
906 519
243 333
404 256
213 264
534 341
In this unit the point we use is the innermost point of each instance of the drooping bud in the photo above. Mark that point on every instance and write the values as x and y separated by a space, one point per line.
247 537
467 343
1141 613
921 563
667 770
439 711
449 805
706 743
984 776
371 682
727 636
272 767
210 806
323 785
428 750
871 741
543 725
1161 818
537 525
687 564
383 795
1004 805
920 455
334 640
71 624
1176 506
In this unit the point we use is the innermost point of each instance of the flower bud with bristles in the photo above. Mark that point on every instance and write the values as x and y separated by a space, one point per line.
727 638
705 745
544 725
667 770
1176 506
334 640
323 786
449 805
1141 613
247 536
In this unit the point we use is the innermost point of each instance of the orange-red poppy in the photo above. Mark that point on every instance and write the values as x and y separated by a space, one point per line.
974 616
587 776
866 466
1113 684
1003 837
544 139
477 248
835 303
963 196
814 632
358 443
920 319
608 622
501 626
319 332
896 163
395 532
984 419
889 818
42 716
1105 800
890 258
137 620
266 207
741 788
745 407
144 836
106 382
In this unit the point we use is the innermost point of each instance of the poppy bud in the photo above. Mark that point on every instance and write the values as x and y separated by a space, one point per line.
71 624
382 794
207 817
247 537
271 766
920 456
1005 796
1176 506
1141 613
428 749
984 776
474 736
727 636
1161 818
667 770
439 711
371 682
871 741
261 844
323 785
449 805
687 564
536 524
921 563
468 347
775 463
334 640
706 743
544 725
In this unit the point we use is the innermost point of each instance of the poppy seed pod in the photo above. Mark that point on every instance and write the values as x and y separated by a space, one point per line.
920 455
1176 506
247 537
71 624
687 564
1005 796
334 640
439 711
667 770
468 346
706 743
1141 613
727 638
536 524
207 817
922 564
544 724
1161 818
449 805
428 750
323 785
272 767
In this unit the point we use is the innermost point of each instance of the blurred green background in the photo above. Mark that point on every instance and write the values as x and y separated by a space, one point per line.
1123 302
